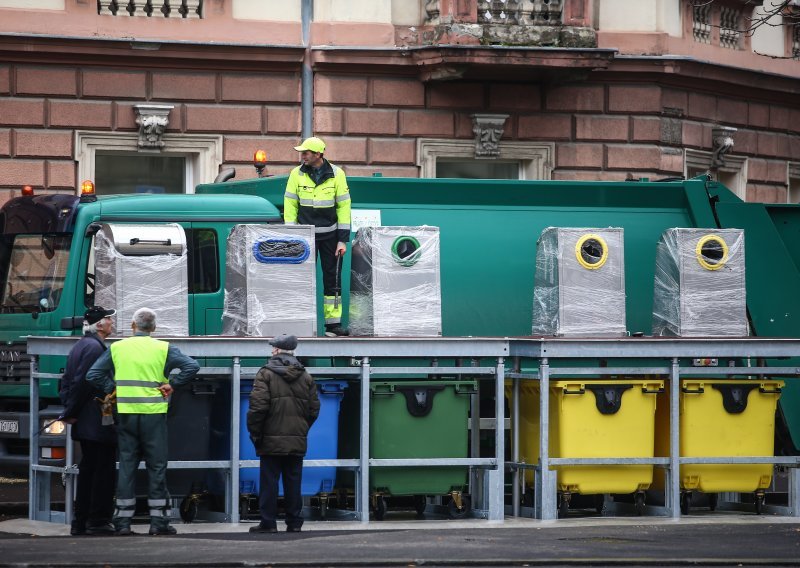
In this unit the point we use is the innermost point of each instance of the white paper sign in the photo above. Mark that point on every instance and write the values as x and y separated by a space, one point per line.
364 218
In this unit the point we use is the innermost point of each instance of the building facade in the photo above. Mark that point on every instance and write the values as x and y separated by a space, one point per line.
159 95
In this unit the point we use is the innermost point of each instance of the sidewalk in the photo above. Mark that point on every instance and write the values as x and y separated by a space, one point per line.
712 539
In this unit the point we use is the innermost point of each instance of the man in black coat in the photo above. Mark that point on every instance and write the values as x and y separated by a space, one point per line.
283 406
94 500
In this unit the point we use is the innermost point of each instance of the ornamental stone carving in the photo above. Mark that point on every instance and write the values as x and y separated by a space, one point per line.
488 129
721 142
152 121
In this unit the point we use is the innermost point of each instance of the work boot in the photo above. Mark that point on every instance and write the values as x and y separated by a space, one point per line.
263 529
124 531
77 527
293 529
336 331
101 529
163 530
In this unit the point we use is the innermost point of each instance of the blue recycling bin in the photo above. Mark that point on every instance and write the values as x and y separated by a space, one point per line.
323 442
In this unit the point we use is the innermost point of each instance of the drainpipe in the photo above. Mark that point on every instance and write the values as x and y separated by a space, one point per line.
307 78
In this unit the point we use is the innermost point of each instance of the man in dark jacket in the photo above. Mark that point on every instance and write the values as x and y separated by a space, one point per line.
283 406
94 500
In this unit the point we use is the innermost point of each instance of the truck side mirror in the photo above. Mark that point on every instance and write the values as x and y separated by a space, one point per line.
70 323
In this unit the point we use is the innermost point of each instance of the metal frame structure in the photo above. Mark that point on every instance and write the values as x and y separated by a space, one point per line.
667 356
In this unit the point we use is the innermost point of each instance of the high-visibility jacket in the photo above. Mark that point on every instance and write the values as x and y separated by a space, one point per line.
139 363
326 204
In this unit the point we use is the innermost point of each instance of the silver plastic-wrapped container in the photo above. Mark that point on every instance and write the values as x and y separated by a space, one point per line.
270 281
395 286
579 287
700 283
143 266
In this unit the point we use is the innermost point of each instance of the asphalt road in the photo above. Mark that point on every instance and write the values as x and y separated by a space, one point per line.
714 540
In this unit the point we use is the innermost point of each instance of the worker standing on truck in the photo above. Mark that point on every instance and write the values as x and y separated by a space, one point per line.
283 406
138 367
317 194
94 499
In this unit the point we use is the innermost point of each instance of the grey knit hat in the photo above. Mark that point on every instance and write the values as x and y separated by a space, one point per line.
285 342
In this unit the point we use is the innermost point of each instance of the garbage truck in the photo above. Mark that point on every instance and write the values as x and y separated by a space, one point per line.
488 233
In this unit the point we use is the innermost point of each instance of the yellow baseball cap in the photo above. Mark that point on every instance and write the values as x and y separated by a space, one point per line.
312 144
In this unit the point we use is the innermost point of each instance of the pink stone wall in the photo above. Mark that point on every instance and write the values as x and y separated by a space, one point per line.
372 122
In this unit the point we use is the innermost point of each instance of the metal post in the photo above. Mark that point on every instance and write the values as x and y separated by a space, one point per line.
69 469
547 496
362 487
233 497
307 76
476 475
515 497
673 497
794 492
497 475
33 442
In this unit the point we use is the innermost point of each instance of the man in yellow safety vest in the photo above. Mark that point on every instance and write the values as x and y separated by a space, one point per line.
317 194
138 367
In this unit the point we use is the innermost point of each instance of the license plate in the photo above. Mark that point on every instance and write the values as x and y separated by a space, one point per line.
9 426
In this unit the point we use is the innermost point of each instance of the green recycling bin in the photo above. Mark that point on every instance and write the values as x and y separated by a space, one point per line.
419 419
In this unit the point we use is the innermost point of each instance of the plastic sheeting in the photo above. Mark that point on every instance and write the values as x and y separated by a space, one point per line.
270 281
143 266
700 283
579 287
395 287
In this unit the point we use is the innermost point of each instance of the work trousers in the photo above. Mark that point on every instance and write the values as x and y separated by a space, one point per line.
326 250
142 437
94 497
290 468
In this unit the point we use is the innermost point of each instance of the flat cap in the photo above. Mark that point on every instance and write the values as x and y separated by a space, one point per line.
285 342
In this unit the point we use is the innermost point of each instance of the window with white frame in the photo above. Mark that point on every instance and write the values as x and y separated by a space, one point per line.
732 175
793 195
115 163
456 158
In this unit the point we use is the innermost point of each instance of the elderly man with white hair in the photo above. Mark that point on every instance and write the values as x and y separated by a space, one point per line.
138 368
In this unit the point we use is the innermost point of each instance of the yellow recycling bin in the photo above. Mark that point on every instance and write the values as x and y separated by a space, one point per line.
611 419
722 417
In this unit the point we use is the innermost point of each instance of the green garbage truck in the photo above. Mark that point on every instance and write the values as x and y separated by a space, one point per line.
488 229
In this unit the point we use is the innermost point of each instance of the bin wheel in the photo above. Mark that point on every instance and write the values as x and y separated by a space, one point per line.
528 498
380 507
713 500
323 506
188 508
599 503
686 498
455 512
638 502
759 503
563 505
244 507
420 503
341 498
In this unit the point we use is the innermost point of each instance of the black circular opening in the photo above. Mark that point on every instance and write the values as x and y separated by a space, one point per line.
281 249
712 252
592 251
406 248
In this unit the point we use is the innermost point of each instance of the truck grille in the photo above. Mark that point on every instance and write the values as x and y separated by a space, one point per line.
15 364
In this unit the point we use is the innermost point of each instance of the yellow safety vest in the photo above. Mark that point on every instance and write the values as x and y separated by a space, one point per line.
139 371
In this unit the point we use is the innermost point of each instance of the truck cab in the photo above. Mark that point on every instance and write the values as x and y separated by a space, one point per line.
47 281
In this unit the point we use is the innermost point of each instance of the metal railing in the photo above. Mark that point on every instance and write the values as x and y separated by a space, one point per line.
662 357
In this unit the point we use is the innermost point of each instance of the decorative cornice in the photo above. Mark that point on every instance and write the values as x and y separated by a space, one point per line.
488 129
152 121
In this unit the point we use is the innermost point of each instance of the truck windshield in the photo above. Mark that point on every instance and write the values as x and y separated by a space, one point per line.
34 269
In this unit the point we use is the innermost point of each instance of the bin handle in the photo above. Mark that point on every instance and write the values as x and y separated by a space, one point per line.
775 390
469 388
657 390
581 390
699 390
383 390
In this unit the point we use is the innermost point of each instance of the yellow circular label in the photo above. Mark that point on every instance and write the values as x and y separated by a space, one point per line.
591 251
711 252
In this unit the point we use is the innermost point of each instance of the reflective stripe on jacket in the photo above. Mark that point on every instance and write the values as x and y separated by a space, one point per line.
326 205
138 372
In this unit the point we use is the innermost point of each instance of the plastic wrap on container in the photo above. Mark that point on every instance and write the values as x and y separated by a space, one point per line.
700 283
579 287
395 287
143 266
270 281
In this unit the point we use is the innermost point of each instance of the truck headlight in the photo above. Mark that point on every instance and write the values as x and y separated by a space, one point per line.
53 428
